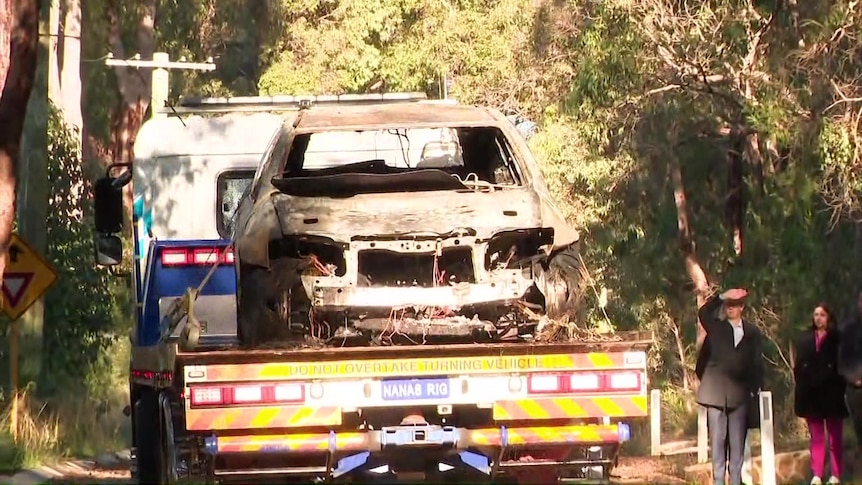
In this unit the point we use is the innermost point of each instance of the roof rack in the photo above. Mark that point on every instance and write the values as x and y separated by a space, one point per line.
197 104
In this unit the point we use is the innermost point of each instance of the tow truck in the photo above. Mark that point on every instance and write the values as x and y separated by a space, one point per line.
206 407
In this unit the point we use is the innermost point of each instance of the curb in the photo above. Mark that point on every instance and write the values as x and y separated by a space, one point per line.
43 474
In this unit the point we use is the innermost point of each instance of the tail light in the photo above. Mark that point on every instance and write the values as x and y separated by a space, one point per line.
196 256
247 394
584 382
540 383
624 381
207 396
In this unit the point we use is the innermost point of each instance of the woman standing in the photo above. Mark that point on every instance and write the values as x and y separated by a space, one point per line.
819 396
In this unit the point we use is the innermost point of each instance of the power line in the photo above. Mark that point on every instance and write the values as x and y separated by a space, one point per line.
161 65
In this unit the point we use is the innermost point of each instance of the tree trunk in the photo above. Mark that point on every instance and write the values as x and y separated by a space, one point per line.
13 106
682 354
70 73
6 23
134 86
54 53
686 242
95 155
734 202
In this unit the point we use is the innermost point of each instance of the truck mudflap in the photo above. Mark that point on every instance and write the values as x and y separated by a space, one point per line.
579 452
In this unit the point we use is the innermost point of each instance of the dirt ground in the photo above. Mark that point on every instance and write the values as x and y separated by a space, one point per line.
648 470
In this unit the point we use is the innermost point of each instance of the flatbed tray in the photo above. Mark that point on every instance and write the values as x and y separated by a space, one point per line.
226 352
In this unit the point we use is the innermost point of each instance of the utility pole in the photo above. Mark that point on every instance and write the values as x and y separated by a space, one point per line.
161 64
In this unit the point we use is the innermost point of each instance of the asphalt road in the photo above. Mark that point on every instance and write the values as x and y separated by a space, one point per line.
631 470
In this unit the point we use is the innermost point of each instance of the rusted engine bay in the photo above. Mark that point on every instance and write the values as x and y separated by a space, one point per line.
403 289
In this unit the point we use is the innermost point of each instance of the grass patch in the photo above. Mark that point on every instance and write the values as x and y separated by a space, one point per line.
38 435
48 432
79 425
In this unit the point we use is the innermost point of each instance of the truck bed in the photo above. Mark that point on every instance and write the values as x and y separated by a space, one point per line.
480 410
225 351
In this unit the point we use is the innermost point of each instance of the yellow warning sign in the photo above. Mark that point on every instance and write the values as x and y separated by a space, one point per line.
27 277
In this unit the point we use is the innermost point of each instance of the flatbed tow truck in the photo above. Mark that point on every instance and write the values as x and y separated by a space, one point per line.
206 409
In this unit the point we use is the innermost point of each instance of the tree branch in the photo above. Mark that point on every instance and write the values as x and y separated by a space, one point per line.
13 108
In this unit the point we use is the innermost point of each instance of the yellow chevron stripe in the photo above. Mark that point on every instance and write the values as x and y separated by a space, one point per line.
570 407
533 409
608 406
601 360
300 416
264 417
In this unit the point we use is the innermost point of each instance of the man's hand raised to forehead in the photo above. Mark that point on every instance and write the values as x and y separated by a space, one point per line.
734 294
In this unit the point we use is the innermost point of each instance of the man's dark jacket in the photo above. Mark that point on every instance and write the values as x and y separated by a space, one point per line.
850 351
731 374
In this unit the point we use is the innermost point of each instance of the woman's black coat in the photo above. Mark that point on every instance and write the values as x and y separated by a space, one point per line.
819 389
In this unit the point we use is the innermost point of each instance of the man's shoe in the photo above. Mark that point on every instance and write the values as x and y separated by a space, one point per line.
816 481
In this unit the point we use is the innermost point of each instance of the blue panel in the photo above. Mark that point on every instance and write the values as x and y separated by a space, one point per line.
414 389
624 431
350 463
211 445
476 461
169 282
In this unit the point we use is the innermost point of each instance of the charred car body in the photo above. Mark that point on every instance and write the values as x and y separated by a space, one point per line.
413 221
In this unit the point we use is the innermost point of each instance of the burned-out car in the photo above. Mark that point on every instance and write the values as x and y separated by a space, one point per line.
404 221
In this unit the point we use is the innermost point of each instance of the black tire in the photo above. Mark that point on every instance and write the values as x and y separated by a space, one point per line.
148 439
258 302
265 297
563 286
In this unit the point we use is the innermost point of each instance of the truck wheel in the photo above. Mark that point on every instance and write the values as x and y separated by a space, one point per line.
148 439
168 440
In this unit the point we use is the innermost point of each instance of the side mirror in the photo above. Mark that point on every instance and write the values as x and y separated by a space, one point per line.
108 200
109 250
108 206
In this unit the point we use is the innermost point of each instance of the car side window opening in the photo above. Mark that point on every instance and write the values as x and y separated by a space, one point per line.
231 186
271 162
479 153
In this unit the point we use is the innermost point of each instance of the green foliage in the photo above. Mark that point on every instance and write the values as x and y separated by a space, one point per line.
82 309
620 89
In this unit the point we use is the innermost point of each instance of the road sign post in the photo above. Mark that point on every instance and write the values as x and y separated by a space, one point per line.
27 277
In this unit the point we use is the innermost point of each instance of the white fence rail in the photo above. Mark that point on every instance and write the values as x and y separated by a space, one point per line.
767 437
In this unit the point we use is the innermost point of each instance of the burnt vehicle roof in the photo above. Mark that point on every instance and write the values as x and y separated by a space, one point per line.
402 115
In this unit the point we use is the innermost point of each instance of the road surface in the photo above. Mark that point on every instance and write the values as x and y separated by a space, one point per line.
630 470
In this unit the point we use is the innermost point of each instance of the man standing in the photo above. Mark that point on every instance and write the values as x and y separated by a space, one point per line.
850 367
732 376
